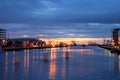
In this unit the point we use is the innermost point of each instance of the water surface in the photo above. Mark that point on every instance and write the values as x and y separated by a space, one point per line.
73 63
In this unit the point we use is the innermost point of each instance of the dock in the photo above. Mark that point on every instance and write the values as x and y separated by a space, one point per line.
111 49
21 48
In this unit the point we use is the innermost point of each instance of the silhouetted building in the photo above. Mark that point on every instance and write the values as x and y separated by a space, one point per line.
24 42
2 35
116 37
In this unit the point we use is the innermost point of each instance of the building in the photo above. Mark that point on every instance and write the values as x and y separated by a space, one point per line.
24 42
2 35
116 37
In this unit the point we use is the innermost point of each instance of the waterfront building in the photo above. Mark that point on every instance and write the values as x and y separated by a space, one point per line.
2 35
24 43
116 37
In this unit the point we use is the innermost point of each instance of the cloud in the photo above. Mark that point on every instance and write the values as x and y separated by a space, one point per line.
60 11
58 18
81 30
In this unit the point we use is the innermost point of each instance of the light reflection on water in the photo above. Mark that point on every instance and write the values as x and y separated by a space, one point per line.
52 68
88 63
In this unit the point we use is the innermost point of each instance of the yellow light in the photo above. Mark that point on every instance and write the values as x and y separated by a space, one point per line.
80 40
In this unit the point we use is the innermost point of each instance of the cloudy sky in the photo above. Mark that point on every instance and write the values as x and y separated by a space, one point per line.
60 18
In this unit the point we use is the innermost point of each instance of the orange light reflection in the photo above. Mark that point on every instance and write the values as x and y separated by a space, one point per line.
53 57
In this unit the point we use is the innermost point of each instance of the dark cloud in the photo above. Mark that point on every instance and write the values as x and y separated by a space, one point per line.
103 11
60 18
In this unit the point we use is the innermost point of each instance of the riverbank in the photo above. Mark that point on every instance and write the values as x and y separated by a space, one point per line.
111 49
22 48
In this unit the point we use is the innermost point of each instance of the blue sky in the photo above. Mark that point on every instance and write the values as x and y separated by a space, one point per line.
60 18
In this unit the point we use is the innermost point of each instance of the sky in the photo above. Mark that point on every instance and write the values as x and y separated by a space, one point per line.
60 18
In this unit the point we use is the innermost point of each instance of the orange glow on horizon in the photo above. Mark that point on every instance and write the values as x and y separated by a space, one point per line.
81 40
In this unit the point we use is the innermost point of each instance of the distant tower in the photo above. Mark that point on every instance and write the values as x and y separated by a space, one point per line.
2 35
116 37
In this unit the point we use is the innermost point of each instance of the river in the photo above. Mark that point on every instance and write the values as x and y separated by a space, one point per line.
72 63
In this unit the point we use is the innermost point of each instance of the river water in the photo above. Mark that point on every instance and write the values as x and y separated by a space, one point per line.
73 63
